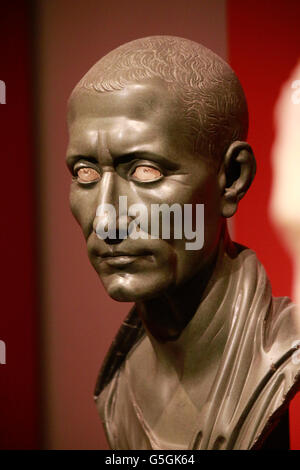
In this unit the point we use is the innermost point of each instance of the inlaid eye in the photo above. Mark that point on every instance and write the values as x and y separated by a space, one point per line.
146 173
87 175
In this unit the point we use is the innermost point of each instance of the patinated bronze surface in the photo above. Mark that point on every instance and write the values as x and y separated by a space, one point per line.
205 360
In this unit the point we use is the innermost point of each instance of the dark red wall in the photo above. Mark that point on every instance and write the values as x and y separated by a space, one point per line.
263 47
18 320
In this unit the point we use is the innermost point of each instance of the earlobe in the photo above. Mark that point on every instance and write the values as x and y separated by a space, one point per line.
236 175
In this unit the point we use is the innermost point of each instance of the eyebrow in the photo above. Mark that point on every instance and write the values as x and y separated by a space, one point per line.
127 158
145 155
74 158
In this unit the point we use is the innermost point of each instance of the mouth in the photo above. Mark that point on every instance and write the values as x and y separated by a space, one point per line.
120 259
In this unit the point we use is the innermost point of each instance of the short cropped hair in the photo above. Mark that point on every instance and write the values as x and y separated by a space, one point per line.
214 104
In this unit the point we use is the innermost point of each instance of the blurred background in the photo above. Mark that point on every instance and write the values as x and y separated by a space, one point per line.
56 320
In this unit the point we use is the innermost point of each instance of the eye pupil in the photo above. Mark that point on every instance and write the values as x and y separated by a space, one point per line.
87 175
146 173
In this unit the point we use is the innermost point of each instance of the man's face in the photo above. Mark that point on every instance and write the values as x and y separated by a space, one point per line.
134 143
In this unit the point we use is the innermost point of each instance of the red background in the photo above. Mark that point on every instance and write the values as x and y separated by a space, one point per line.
19 395
263 48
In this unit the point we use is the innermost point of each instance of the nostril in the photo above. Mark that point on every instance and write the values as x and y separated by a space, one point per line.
114 241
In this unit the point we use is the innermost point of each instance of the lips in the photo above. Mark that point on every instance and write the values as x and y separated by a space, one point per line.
126 253
117 254
118 258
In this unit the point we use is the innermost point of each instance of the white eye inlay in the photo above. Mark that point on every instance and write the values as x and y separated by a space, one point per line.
87 175
146 173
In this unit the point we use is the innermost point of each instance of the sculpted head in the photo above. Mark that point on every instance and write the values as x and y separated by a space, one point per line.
160 120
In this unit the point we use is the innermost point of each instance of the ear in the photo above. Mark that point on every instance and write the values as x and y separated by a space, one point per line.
235 176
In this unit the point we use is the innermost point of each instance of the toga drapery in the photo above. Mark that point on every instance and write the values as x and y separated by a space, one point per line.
258 374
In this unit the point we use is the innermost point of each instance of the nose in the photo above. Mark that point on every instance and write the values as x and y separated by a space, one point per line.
111 220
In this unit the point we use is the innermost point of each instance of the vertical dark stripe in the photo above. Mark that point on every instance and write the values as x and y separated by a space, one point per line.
18 317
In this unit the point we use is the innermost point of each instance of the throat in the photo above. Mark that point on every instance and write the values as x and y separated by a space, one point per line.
191 322
167 316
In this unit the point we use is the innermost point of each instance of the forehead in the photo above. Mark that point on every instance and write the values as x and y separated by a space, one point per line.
137 101
144 113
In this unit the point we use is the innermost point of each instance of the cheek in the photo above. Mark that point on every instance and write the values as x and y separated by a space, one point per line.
82 208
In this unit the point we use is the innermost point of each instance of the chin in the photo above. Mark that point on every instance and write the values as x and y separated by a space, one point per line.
120 288
127 288
121 294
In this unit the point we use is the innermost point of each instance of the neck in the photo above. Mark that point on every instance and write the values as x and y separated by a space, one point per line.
169 320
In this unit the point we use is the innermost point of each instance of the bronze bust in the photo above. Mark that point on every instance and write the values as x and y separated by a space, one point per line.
205 359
